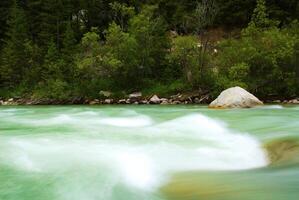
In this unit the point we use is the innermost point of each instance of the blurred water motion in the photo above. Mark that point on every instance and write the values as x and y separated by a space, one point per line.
148 152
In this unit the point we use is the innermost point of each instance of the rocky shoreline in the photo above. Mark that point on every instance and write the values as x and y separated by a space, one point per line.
132 99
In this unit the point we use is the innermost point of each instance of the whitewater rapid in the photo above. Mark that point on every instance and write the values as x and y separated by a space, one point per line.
93 153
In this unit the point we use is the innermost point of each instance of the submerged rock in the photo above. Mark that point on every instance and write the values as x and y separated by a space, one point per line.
235 97
282 151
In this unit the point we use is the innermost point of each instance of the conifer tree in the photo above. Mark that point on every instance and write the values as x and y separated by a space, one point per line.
13 57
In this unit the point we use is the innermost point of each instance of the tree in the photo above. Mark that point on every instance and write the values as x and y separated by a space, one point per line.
13 57
185 53
4 14
121 13
152 42
205 13
260 17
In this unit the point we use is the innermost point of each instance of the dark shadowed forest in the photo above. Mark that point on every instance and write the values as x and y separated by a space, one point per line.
61 49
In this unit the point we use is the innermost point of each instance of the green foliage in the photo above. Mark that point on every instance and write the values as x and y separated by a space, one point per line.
260 17
152 43
122 13
14 58
185 56
60 49
52 89
260 63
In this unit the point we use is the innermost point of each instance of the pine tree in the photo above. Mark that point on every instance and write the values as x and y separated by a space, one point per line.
4 13
51 66
260 16
69 40
14 60
68 51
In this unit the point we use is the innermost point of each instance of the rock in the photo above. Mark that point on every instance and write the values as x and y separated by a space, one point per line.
165 102
77 100
155 100
1 102
143 102
294 101
276 101
235 97
106 94
196 100
108 101
204 99
135 95
283 151
122 101
176 102
94 102
10 100
175 97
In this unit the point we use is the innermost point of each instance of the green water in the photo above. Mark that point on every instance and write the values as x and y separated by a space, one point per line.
145 153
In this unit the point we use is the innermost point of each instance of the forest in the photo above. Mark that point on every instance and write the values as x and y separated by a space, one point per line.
60 49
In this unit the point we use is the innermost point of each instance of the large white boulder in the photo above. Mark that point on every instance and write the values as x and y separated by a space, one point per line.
235 97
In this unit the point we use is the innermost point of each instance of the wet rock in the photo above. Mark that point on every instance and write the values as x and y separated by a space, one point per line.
283 151
235 97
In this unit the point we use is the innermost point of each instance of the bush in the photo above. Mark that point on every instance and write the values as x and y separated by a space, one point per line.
52 89
260 62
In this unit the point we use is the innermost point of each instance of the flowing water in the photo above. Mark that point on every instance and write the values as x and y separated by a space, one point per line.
146 153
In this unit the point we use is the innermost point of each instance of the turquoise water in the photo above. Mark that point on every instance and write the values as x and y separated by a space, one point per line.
135 152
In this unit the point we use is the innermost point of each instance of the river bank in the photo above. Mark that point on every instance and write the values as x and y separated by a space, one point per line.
154 99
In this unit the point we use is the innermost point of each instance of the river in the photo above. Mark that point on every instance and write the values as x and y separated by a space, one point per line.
147 153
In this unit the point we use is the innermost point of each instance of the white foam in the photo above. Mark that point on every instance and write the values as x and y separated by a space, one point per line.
143 161
271 107
138 121
137 170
